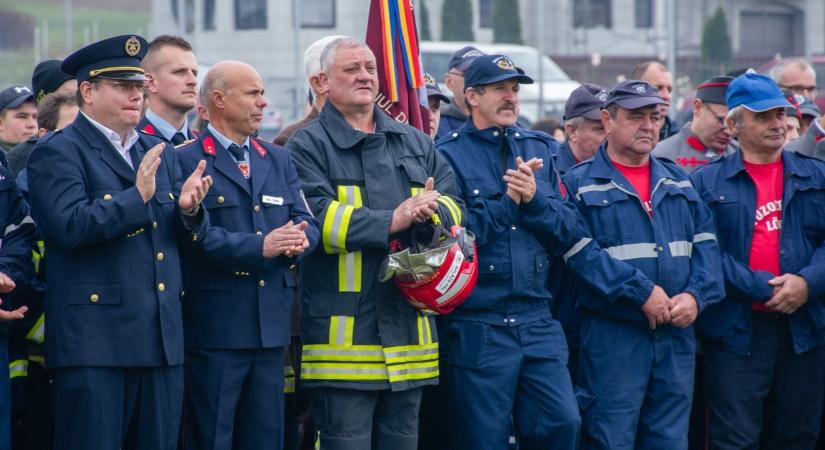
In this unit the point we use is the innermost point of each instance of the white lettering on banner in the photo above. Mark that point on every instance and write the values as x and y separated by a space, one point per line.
452 273
385 104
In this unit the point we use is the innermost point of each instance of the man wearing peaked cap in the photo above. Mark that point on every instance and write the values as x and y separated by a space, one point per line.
504 355
646 250
764 344
455 114
707 137
434 98
114 209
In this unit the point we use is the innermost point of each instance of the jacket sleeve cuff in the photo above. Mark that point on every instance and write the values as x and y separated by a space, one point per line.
816 281
639 295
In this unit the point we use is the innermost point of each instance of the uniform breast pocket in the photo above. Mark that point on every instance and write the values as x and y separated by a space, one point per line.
727 210
415 171
608 210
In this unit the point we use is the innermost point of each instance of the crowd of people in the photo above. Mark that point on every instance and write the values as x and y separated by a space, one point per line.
640 284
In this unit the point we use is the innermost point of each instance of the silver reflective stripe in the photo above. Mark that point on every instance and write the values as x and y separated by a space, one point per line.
594 188
681 184
701 237
680 248
576 248
407 371
341 352
633 251
341 331
400 353
12 227
349 272
308 370
336 226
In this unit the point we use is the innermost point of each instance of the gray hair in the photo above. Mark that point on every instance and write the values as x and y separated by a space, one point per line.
312 55
575 122
328 54
735 114
779 68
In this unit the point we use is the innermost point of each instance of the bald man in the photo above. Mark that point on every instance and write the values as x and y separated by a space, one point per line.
238 287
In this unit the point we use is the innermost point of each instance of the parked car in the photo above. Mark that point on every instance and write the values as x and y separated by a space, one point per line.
556 84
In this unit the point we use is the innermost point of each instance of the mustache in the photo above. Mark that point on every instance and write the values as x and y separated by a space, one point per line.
506 106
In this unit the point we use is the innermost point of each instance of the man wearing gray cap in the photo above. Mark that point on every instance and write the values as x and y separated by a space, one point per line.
706 138
455 114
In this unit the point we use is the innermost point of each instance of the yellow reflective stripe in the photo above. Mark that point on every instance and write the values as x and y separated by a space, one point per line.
420 329
344 371
336 224
38 330
361 353
340 330
429 332
413 371
350 195
452 207
18 368
38 359
415 190
318 440
349 263
407 353
289 380
425 335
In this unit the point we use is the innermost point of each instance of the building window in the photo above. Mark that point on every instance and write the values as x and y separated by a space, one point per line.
592 14
250 14
485 13
188 14
644 13
208 15
318 13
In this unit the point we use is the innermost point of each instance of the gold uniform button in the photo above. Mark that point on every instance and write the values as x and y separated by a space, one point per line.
194 237
259 233
94 298
262 283
155 225
161 287
107 197
257 208
160 256
221 199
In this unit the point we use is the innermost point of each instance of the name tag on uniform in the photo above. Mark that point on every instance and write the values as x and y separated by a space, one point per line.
270 200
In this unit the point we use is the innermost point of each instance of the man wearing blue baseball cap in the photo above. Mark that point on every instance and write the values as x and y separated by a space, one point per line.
504 355
455 114
113 209
646 253
764 344
582 126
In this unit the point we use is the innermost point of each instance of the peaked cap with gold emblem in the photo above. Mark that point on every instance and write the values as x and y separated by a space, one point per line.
115 57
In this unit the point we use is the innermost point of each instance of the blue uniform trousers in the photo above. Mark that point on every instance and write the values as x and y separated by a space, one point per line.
769 399
234 399
635 386
106 408
5 399
518 371
349 419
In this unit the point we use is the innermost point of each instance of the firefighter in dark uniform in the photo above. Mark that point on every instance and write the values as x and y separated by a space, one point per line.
113 208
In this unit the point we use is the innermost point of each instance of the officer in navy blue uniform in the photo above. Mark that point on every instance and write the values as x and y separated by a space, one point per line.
503 351
238 283
172 76
113 208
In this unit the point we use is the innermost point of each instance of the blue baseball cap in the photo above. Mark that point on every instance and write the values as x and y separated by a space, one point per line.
463 57
633 94
116 57
433 90
755 92
489 69
14 96
585 101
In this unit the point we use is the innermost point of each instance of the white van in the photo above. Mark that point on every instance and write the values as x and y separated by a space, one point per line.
435 57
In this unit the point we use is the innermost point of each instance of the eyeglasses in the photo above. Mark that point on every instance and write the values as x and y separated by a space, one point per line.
802 90
719 118
126 87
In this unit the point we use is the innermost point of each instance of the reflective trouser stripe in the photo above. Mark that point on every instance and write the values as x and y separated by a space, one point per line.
289 380
336 224
349 263
425 335
18 368
579 246
680 248
633 251
340 330
38 330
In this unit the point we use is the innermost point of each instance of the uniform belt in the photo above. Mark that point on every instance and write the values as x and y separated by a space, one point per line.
509 313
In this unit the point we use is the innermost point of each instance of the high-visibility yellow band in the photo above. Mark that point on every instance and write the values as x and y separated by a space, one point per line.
340 330
38 331
407 353
336 224
360 353
413 371
18 368
341 371
452 207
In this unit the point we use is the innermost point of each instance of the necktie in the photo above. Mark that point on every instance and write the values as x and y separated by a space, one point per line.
178 138
237 152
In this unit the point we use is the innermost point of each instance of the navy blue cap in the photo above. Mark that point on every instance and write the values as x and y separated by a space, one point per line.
116 57
433 90
809 108
714 90
463 57
14 96
47 78
585 101
633 94
756 92
489 69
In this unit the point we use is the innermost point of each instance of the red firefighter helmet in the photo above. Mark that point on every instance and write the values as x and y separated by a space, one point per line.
437 274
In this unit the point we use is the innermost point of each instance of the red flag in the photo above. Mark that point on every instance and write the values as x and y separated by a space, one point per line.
392 36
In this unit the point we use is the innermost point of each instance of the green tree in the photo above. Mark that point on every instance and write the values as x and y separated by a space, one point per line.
716 47
457 20
424 31
506 22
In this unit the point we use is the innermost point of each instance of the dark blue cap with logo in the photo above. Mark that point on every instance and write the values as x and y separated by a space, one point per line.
756 92
433 90
14 96
116 57
47 78
489 69
463 57
633 94
585 101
